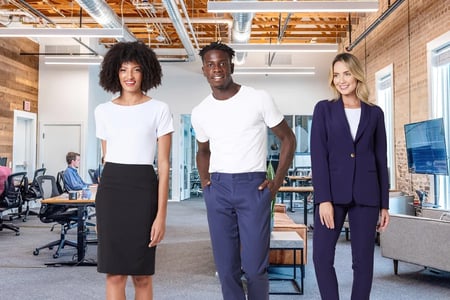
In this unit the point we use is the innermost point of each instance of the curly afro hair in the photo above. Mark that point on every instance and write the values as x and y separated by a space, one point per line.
130 52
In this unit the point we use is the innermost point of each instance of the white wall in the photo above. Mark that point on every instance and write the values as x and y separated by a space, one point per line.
63 98
184 86
71 93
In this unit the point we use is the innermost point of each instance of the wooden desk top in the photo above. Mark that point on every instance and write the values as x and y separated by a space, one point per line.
296 189
65 200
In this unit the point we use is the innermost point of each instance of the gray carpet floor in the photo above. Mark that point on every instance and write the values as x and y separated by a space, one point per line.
185 268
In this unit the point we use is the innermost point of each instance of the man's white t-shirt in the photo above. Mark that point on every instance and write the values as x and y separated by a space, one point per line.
131 132
236 129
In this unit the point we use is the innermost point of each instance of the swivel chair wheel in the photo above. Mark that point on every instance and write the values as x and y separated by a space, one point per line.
17 233
56 255
36 252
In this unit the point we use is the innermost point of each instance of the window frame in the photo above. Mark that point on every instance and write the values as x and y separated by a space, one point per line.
438 67
385 99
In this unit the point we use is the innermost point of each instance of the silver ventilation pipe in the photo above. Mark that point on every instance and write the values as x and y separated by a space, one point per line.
240 34
189 23
104 15
372 26
177 21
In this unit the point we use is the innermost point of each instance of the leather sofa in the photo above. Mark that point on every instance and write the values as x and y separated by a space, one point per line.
282 222
420 240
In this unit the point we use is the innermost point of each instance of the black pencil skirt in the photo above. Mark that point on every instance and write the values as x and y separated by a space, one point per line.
126 205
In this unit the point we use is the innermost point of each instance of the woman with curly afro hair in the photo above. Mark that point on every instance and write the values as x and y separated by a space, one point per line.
131 201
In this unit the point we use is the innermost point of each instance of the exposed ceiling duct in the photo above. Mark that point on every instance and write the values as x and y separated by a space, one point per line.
240 34
372 26
177 20
197 26
103 14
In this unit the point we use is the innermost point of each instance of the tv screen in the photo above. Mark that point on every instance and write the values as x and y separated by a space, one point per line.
425 147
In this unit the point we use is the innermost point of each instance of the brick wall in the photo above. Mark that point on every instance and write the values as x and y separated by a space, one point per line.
401 39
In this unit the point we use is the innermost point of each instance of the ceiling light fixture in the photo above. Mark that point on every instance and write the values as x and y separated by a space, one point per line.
292 6
275 71
73 60
284 47
61 32
160 38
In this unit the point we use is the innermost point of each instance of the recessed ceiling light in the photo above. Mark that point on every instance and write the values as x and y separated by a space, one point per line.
160 38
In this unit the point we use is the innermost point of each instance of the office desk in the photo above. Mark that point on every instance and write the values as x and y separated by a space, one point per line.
81 226
299 179
304 190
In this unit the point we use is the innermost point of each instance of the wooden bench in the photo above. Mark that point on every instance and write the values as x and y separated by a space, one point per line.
282 222
288 241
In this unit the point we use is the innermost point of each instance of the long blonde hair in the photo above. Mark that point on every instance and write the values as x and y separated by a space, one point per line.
355 67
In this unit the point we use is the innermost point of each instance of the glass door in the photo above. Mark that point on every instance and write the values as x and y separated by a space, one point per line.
185 155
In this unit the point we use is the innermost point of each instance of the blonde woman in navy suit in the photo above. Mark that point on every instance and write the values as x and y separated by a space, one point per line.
349 163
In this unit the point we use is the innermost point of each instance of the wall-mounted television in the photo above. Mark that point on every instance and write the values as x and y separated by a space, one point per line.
425 147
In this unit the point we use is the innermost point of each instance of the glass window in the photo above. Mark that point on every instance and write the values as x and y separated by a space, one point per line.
302 130
440 92
301 125
385 99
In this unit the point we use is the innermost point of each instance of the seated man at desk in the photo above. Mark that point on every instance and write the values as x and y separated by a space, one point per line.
72 180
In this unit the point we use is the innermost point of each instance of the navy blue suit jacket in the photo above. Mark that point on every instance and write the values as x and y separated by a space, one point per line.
344 170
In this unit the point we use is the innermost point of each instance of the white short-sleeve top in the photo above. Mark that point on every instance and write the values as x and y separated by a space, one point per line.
353 116
236 129
131 132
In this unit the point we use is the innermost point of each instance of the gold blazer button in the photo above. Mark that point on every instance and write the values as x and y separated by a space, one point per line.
352 155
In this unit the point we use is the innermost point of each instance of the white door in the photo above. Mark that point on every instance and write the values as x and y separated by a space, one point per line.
24 142
55 141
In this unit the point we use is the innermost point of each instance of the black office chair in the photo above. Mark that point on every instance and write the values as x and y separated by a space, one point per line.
31 192
12 198
61 214
60 182
93 175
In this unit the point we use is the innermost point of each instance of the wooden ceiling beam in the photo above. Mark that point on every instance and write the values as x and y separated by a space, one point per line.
301 28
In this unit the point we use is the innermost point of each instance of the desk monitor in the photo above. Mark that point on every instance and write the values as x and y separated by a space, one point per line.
426 147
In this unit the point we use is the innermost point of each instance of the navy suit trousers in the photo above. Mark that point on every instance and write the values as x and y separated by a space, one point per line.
239 221
363 221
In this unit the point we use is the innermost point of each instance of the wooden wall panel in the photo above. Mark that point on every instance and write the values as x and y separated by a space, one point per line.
19 78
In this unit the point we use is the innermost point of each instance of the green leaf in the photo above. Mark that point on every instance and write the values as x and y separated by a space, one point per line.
271 175
270 171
